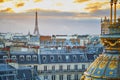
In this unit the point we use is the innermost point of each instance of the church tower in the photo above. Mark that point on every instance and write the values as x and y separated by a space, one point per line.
36 29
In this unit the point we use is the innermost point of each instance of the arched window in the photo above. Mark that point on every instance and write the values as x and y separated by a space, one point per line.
5 57
67 57
28 58
22 58
13 57
74 57
59 58
34 57
81 58
52 58
44 58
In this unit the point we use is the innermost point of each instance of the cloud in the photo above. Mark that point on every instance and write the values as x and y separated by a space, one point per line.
8 10
92 7
37 1
81 1
1 1
19 5
59 4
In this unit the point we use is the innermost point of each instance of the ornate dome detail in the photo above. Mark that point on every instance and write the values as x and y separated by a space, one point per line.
107 65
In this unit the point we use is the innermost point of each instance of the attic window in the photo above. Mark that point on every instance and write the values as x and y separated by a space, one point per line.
22 58
74 57
52 58
67 57
13 57
81 57
34 57
44 58
5 57
28 58
59 58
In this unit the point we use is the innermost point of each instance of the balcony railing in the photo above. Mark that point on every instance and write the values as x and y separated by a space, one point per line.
61 71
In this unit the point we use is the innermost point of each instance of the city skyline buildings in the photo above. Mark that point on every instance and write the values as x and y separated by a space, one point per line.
71 17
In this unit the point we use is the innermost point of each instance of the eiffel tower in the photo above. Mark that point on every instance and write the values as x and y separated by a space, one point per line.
36 29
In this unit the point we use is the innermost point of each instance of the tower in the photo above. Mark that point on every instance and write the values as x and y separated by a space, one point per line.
36 29
107 65
104 26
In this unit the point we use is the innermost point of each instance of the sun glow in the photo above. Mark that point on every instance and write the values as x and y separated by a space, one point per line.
18 6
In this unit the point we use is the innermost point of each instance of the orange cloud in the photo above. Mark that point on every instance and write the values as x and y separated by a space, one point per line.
19 5
37 1
95 6
80 1
59 4
9 10
55 5
1 1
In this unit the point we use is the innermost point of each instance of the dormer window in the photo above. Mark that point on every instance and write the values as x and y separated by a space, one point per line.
5 57
74 57
13 57
59 58
51 58
81 58
34 57
22 58
67 57
44 58
28 58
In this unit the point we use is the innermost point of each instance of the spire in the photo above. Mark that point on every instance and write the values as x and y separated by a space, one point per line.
36 30
115 2
111 6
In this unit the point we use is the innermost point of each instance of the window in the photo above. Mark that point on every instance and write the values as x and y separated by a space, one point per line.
53 77
34 57
53 68
81 57
45 77
22 58
35 67
74 57
68 67
45 68
52 58
5 57
68 77
76 77
44 58
60 77
59 58
13 57
76 67
83 67
28 58
60 67
67 57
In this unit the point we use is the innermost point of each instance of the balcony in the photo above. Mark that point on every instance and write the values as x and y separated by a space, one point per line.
61 71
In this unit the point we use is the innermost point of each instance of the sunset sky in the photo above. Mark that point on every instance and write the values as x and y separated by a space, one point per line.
55 16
